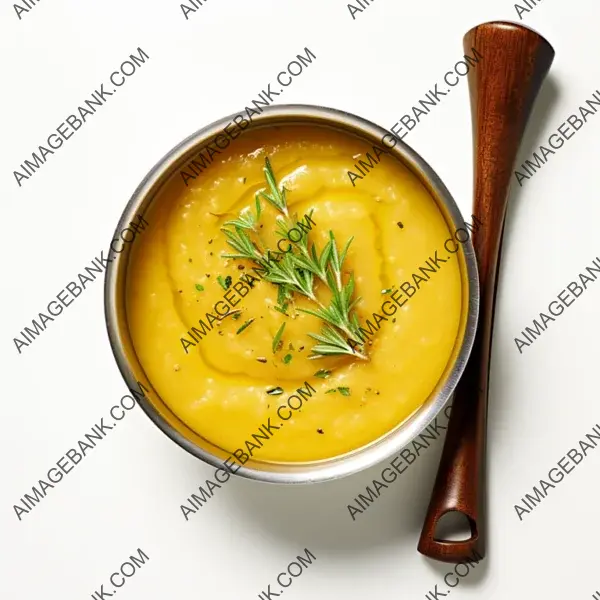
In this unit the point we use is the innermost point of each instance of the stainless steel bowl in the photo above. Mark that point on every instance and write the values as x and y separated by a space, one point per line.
158 410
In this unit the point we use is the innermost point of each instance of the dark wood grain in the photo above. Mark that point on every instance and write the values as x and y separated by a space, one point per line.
503 87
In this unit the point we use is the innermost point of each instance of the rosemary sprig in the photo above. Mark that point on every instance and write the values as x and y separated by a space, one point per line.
246 219
276 198
299 271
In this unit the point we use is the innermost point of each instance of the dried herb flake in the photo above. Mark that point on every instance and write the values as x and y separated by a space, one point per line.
323 373
224 283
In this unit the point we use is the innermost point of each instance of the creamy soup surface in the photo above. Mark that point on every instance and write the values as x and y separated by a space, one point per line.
225 383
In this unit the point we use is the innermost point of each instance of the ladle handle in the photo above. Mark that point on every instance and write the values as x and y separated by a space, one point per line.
503 87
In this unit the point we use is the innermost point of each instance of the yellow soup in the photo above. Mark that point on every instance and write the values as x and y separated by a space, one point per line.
205 327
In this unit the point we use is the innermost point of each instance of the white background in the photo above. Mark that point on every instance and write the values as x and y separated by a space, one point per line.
127 492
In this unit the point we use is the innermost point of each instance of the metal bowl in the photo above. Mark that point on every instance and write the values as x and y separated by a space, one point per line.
279 472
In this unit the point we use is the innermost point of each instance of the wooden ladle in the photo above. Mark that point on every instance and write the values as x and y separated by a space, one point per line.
503 88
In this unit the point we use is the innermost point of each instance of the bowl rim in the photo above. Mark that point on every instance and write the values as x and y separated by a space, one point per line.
402 434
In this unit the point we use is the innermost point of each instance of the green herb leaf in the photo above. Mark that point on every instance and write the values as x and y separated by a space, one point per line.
199 287
323 373
332 391
287 359
258 209
221 282
387 291
277 337
236 316
244 326
344 391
